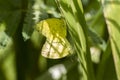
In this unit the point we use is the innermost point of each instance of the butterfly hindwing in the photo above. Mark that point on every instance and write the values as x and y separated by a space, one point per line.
57 48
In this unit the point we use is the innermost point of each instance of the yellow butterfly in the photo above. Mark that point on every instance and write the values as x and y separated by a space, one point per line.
56 45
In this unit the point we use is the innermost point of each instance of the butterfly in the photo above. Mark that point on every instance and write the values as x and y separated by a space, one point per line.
56 45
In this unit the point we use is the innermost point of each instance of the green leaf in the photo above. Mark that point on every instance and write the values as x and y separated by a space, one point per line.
10 15
73 12
28 23
112 18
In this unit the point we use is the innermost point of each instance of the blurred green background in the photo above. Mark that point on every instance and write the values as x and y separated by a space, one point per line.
20 43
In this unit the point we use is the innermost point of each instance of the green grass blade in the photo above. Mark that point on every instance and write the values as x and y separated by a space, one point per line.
73 13
112 17
103 70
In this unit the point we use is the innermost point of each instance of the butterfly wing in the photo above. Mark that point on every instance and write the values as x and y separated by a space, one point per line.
56 45
56 48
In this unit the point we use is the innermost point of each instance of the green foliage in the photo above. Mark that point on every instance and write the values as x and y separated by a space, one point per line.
92 30
72 11
112 19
